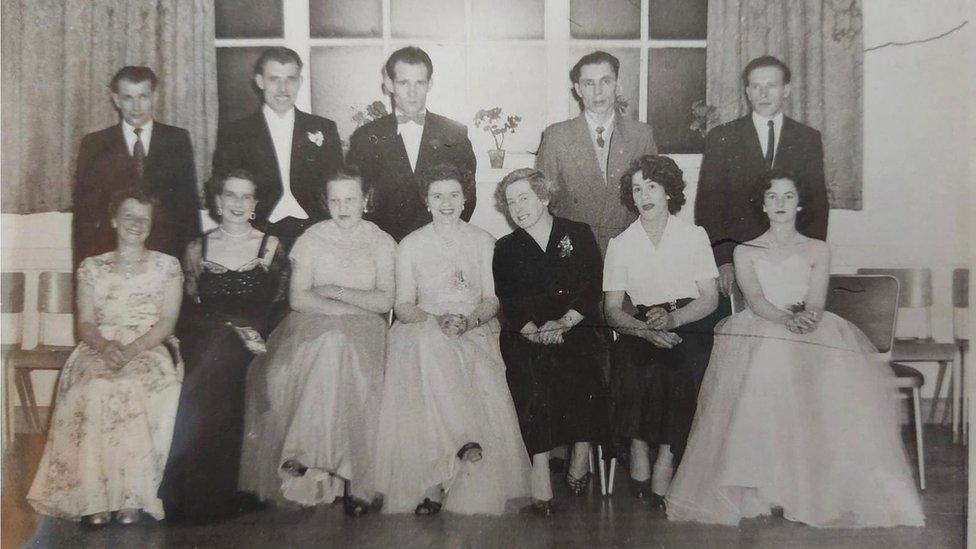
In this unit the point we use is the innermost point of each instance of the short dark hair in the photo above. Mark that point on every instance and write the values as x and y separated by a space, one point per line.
594 58
764 181
659 169
135 189
446 172
350 172
134 74
215 186
542 186
765 61
280 54
410 55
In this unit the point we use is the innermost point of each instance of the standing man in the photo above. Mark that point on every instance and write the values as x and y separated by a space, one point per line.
391 151
739 151
137 150
292 153
587 155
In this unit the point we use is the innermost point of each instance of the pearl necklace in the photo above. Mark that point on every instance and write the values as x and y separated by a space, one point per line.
128 270
232 235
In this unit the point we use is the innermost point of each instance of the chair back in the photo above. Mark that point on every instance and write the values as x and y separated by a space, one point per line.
11 308
870 302
915 285
55 303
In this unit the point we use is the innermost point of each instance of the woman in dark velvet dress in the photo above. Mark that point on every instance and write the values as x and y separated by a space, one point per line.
233 276
548 275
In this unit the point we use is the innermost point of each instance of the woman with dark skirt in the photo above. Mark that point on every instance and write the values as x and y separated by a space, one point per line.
664 265
232 277
548 280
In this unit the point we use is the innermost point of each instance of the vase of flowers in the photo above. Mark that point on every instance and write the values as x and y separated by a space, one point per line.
497 124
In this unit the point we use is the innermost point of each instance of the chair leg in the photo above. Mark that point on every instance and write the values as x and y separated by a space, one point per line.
34 413
22 396
938 392
613 472
919 443
955 391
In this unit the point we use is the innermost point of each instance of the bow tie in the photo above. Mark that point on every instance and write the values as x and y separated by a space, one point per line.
417 118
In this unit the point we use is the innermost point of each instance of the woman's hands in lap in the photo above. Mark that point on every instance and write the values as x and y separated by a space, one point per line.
452 325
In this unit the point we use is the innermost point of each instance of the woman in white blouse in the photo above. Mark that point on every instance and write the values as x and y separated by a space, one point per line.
665 267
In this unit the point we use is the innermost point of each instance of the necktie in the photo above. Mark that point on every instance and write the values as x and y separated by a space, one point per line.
770 145
418 118
600 141
139 151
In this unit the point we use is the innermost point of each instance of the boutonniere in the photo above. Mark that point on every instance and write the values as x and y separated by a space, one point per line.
565 247
317 138
435 143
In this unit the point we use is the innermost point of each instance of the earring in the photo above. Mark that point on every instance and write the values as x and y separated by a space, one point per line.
798 208
220 212
252 216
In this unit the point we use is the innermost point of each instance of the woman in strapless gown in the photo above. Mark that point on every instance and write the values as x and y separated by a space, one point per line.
792 412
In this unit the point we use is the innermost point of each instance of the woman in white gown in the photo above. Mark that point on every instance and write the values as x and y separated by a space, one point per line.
448 432
792 413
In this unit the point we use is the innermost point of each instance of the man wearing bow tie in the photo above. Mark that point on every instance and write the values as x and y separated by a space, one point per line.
292 153
586 155
137 150
391 151
739 151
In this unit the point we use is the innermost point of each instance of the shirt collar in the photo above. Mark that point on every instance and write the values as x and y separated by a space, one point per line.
272 117
412 119
130 129
592 123
761 121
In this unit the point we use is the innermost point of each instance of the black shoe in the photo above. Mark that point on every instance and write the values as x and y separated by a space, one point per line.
640 489
354 507
539 508
776 512
657 502
428 507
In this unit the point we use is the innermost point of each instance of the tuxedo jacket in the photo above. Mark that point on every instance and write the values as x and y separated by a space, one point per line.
733 159
568 158
316 155
105 166
396 205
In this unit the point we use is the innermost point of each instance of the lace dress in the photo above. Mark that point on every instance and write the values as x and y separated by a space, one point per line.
111 429
806 422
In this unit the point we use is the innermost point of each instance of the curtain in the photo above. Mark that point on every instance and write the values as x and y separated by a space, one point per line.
58 57
822 43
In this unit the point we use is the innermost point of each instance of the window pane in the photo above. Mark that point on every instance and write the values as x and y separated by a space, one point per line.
344 80
448 95
508 19
427 18
676 80
345 18
248 19
236 92
628 81
513 78
678 19
604 18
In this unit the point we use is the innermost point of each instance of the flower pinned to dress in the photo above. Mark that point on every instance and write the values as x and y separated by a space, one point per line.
458 281
565 247
317 138
797 307
435 143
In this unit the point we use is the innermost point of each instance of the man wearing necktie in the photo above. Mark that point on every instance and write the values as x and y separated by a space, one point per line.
137 151
586 155
393 150
738 152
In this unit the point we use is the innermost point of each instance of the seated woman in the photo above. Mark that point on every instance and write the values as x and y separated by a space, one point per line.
232 276
548 276
447 423
117 395
665 266
792 413
310 425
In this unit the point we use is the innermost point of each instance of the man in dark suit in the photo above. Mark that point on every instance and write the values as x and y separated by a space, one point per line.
587 155
292 153
391 151
137 150
739 151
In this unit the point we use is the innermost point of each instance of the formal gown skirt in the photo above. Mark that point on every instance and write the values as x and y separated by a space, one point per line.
200 482
806 422
558 390
655 390
440 393
109 436
314 398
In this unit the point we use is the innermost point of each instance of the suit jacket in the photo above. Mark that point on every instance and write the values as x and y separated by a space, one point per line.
105 166
246 143
733 159
568 158
378 150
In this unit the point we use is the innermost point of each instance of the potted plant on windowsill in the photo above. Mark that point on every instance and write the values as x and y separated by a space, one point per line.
497 124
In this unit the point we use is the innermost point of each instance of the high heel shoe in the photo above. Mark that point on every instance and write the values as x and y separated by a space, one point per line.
354 507
428 507
640 489
539 508
577 486
127 516
99 519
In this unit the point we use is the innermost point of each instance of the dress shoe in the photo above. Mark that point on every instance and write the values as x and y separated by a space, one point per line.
127 516
657 502
539 508
99 519
640 489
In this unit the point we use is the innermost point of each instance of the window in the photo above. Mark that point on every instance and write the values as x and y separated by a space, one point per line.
513 54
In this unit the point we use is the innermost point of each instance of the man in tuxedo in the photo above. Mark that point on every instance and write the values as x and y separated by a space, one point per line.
137 150
290 152
736 153
393 150
587 155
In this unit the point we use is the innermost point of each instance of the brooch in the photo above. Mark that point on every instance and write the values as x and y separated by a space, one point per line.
316 138
565 247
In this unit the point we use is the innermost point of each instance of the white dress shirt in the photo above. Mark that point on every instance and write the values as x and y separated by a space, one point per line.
602 153
411 133
282 129
129 133
762 129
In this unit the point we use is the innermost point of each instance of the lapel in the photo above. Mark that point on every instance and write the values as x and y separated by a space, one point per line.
787 135
118 150
393 149
265 146
299 139
426 148
752 149
156 147
618 158
593 177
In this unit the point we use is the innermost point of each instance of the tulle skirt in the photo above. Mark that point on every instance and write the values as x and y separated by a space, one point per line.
805 422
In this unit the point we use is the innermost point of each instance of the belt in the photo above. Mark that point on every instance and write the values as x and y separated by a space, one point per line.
670 306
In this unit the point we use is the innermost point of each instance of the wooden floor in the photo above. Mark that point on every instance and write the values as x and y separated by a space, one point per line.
591 521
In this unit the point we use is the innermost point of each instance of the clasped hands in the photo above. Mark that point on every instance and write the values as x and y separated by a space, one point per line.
802 322
659 323
550 333
452 324
117 355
